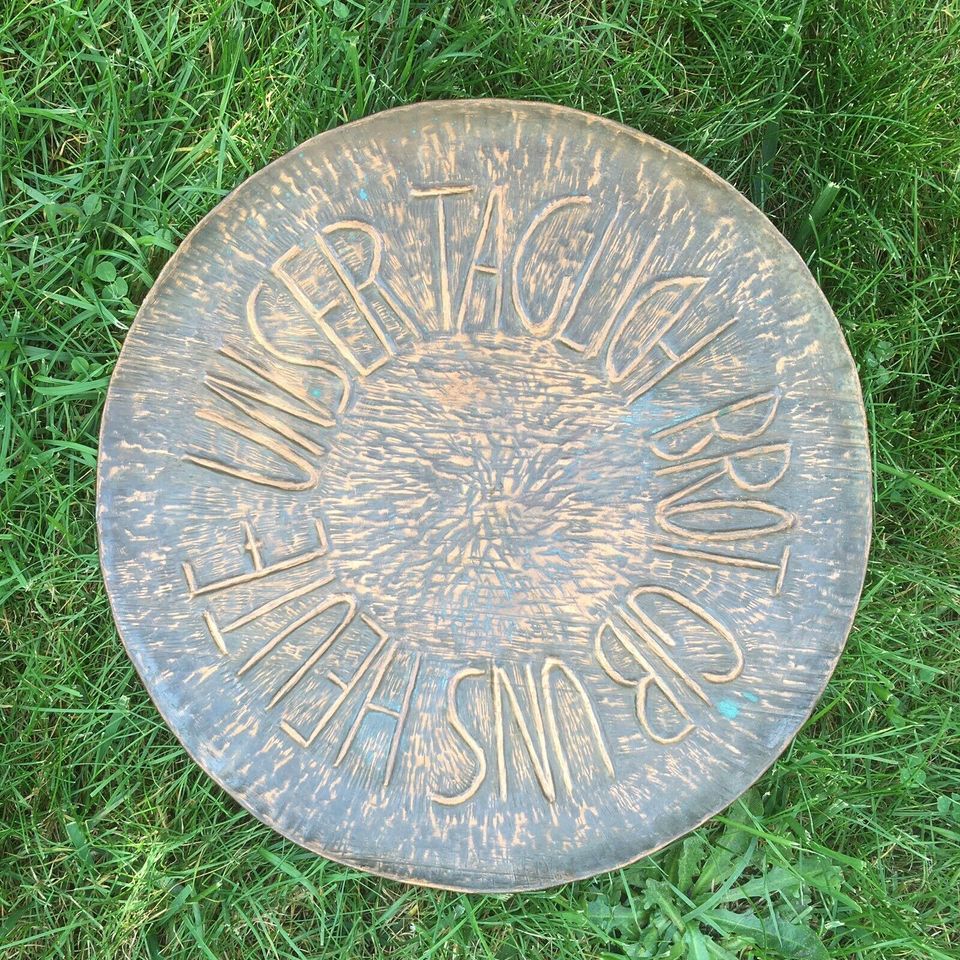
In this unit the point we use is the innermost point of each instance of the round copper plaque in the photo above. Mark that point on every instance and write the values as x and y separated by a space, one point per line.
484 494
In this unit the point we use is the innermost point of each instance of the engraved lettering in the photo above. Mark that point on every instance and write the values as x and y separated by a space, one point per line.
261 570
229 392
538 725
537 717
656 641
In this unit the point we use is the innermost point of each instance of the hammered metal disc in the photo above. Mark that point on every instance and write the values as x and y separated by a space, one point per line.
484 494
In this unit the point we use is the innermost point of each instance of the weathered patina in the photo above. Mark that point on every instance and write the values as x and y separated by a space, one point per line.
484 494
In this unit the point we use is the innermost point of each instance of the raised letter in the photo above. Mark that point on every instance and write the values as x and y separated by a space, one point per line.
586 275
697 611
231 392
565 286
480 756
319 314
736 463
549 665
720 422
253 323
538 754
440 194
680 293
308 472
346 686
259 571
641 685
732 560
369 706
327 604
493 208
727 508
372 279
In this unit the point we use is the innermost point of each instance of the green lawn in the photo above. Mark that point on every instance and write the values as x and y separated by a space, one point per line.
122 123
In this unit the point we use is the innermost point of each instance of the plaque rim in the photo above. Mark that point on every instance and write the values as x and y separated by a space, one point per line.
528 883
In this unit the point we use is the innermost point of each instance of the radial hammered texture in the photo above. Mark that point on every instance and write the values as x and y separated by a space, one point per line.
484 494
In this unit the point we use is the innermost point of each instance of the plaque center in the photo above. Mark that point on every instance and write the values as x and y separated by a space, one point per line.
470 498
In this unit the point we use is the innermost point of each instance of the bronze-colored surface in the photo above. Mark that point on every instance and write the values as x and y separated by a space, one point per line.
484 494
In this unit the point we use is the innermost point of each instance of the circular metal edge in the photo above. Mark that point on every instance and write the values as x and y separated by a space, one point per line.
170 266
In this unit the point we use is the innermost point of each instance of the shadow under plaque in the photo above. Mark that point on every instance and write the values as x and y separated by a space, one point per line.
484 494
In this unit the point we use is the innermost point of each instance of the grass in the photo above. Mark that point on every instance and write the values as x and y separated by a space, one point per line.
123 121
